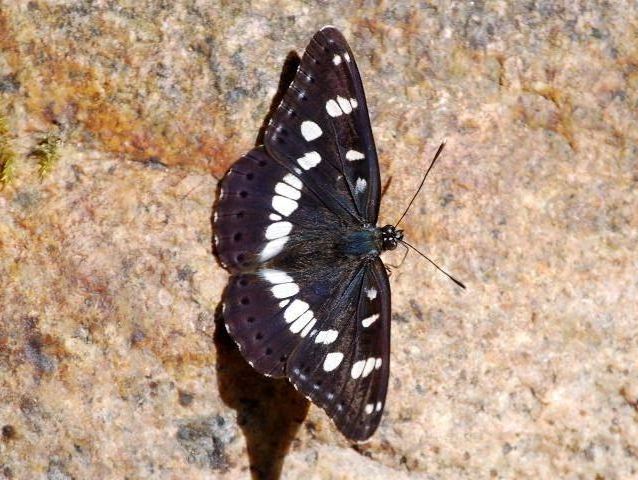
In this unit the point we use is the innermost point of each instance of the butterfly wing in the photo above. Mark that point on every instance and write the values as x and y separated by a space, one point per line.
321 128
344 367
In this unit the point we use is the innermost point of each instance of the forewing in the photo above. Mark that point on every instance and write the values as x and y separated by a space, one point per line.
344 366
321 129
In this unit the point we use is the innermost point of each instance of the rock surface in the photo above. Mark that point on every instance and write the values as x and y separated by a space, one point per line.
113 362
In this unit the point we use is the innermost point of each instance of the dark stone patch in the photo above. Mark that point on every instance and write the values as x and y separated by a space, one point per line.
185 273
9 83
27 199
185 399
154 162
137 336
204 441
57 470
28 406
8 432
447 199
416 309
479 26
33 351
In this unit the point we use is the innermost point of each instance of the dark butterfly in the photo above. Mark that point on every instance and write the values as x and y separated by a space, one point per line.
295 224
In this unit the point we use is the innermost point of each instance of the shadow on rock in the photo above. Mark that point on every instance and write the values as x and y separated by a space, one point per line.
288 72
269 411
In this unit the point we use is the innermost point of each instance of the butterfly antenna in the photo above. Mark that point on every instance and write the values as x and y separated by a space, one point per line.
460 284
436 155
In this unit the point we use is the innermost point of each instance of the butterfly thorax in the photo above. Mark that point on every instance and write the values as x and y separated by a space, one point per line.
361 242
370 241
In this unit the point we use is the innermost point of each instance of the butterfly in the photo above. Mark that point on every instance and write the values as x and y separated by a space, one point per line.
295 225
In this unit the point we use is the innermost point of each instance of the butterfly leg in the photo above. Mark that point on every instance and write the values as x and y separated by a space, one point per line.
386 186
407 250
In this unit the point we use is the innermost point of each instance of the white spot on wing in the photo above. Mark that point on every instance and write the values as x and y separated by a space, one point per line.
326 336
357 369
369 408
354 103
293 181
308 327
377 363
336 59
371 293
310 130
353 155
296 308
274 217
332 361
274 276
285 290
283 303
360 186
284 205
333 108
344 104
272 248
278 229
366 322
299 324
309 160
346 56
368 367
287 191
379 407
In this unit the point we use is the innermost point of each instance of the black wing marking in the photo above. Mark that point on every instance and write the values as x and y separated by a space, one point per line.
348 376
321 129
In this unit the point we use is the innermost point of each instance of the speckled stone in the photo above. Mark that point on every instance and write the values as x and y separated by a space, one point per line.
114 362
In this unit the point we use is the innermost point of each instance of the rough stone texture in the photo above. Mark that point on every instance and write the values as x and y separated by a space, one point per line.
113 362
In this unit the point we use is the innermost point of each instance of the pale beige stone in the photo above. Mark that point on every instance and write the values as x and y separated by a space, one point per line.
112 364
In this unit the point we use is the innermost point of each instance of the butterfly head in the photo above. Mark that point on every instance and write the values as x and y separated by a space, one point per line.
391 237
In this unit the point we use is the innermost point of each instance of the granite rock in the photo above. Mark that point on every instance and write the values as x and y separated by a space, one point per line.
113 359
